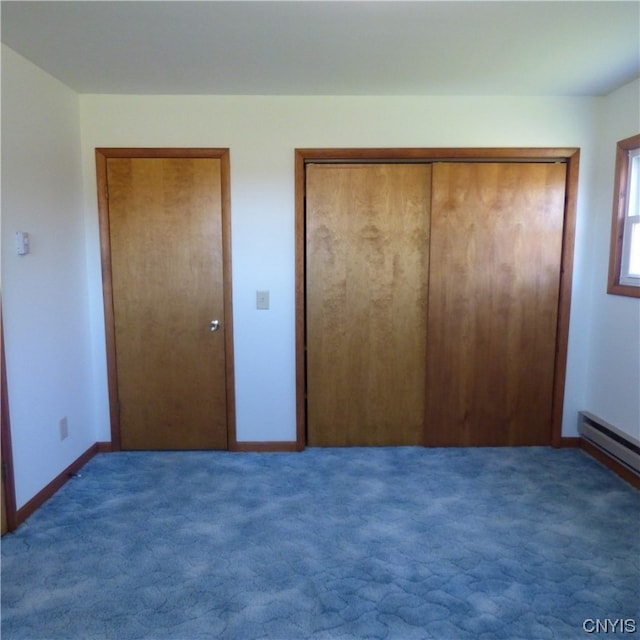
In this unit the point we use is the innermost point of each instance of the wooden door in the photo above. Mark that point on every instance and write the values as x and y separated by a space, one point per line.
3 524
496 244
165 234
4 527
367 251
7 487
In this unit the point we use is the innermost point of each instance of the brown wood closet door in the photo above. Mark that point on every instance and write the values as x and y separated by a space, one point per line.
496 239
367 250
167 280
4 432
3 525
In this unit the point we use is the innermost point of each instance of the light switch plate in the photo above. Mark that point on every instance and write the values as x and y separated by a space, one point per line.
262 300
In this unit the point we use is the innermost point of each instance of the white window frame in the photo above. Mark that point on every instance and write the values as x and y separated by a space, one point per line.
625 219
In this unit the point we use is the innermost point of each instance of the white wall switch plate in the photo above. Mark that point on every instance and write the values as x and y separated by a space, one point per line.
262 300
22 243
63 425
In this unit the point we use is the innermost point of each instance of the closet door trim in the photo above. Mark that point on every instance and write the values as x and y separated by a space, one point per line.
569 155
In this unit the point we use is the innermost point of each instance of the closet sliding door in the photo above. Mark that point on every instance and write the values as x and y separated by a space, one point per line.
496 248
367 252
435 297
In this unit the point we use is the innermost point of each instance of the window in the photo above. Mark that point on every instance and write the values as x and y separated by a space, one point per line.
624 261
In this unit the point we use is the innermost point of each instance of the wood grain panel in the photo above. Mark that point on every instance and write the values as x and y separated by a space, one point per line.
4 523
4 527
7 488
496 246
167 280
367 239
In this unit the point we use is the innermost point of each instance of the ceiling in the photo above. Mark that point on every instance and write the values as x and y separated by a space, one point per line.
330 48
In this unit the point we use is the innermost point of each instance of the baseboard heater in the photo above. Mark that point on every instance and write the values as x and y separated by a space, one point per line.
620 446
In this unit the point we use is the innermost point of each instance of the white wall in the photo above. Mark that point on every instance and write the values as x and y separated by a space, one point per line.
262 133
613 380
45 303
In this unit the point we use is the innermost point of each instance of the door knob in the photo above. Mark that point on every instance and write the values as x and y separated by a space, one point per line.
214 325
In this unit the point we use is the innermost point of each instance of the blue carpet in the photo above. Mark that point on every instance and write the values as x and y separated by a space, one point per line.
389 543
